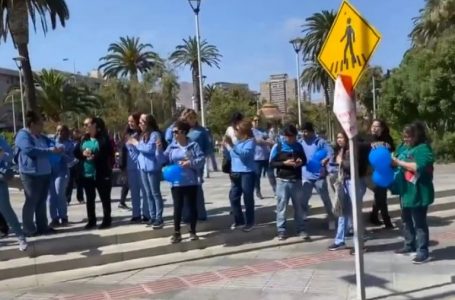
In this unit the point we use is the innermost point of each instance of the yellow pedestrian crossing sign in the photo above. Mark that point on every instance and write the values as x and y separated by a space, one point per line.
349 45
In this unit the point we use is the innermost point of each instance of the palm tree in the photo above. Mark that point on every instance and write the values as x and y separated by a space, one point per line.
14 19
209 90
436 18
59 96
316 30
129 57
186 55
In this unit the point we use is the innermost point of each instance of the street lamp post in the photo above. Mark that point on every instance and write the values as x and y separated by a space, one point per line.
74 64
374 97
196 6
18 60
297 45
13 109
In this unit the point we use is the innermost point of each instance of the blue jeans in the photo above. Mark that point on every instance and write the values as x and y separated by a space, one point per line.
7 211
416 231
151 182
137 188
321 187
58 205
242 183
284 191
35 190
345 220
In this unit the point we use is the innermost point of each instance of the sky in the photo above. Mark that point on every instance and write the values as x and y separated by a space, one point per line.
252 35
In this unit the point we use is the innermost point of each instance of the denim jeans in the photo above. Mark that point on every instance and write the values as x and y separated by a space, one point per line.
137 189
272 178
7 211
35 190
260 165
58 205
284 191
345 220
416 231
321 187
151 182
242 184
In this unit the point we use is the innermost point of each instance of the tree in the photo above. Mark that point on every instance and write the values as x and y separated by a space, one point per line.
14 19
58 96
316 30
209 90
435 19
224 103
422 88
186 55
129 57
364 90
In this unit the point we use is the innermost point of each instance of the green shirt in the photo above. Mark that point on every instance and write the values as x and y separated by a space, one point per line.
89 165
418 189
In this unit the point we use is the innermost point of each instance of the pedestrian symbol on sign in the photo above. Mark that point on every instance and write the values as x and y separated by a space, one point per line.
349 36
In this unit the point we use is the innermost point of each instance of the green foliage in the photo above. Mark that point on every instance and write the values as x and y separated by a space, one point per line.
224 103
8 136
444 147
364 89
422 88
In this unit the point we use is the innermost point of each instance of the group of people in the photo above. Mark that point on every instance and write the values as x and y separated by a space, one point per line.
49 167
249 150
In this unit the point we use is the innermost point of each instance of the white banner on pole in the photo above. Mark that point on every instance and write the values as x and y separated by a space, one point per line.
344 106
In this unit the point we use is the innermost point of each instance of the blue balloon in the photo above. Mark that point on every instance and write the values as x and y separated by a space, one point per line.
172 173
313 166
54 159
383 179
380 158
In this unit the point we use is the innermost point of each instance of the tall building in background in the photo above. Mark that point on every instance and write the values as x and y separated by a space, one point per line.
279 90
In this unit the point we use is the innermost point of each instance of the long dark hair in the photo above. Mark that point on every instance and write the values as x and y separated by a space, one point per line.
101 130
150 126
337 148
418 131
128 131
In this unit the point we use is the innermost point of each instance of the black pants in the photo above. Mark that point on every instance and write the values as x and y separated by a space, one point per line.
380 205
104 187
124 193
75 178
4 228
180 195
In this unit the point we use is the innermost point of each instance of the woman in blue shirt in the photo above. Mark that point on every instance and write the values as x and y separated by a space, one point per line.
190 158
242 174
33 150
58 205
146 149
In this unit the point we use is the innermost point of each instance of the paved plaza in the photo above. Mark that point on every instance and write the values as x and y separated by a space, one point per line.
268 269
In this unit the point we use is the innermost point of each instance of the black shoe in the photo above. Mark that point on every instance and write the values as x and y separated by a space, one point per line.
104 225
55 223
158 225
4 234
123 206
375 220
145 220
420 259
259 196
49 231
81 201
335 247
193 237
64 222
176 238
389 226
136 220
282 236
90 226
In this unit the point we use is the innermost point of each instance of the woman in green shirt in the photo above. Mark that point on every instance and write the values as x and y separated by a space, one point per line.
415 166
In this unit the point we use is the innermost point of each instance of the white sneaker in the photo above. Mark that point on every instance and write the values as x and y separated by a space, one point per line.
23 244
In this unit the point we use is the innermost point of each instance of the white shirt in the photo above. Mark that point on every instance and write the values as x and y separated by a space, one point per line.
230 132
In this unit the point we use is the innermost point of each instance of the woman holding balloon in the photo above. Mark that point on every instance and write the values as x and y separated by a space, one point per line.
186 159
381 138
341 159
415 178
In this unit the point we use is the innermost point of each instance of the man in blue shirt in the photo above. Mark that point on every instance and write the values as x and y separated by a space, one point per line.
316 179
288 157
